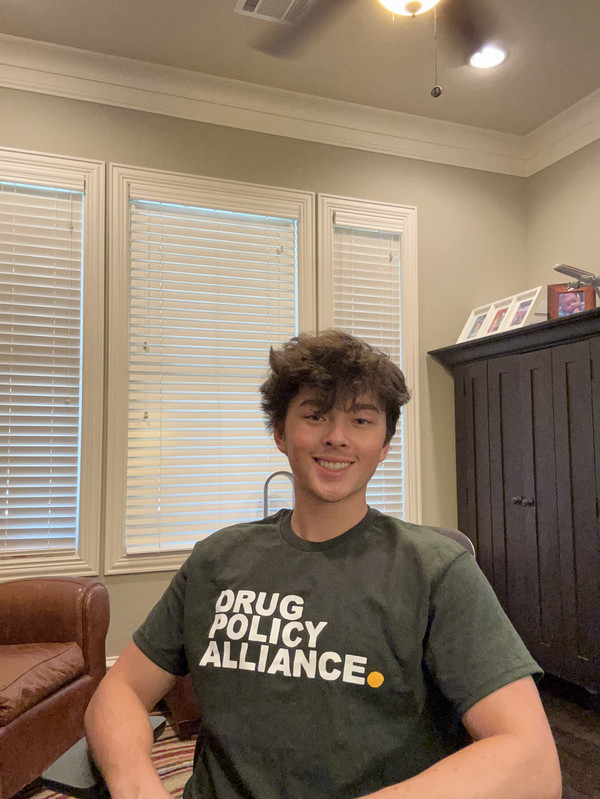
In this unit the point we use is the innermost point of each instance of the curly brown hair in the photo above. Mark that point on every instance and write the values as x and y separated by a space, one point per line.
340 368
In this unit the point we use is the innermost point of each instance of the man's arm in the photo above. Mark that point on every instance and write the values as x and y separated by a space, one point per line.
513 755
117 726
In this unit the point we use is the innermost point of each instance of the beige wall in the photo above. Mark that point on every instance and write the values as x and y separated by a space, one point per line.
564 216
471 245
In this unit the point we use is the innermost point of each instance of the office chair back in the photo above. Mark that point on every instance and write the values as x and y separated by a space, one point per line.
456 535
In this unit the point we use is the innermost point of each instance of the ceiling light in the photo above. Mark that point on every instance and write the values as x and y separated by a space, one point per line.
409 8
487 57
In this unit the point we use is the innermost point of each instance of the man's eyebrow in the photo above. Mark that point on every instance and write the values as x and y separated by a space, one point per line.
364 407
313 402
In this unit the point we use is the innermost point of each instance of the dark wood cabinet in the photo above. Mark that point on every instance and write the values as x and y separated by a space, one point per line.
527 410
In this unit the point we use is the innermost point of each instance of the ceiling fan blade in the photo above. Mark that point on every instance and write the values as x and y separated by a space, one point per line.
288 40
467 23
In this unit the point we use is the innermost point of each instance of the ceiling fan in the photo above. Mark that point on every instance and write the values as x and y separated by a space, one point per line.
465 22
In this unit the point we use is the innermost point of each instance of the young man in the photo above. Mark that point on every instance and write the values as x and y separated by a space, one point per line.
336 652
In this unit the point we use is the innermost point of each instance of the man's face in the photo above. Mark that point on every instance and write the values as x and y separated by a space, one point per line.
570 302
332 455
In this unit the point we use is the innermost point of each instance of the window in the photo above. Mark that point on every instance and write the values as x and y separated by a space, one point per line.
205 276
367 260
51 248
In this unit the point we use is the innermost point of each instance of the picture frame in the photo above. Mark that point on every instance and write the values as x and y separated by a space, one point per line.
522 309
509 313
496 317
560 303
474 324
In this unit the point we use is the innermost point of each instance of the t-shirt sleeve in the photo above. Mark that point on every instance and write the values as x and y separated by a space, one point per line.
160 636
472 648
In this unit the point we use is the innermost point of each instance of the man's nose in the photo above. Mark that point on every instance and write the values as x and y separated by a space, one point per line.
336 434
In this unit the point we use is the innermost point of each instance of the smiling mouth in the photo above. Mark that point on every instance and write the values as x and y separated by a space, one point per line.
334 466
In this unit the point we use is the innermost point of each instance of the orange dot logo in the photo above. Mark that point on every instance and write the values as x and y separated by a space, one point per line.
375 679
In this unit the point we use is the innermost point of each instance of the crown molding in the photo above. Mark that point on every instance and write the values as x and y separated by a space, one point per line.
46 68
564 134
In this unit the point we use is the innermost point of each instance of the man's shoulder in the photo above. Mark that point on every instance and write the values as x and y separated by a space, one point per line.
421 541
244 534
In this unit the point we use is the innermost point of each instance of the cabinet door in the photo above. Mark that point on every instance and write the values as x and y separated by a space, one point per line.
536 516
523 499
576 409
472 460
505 471
594 682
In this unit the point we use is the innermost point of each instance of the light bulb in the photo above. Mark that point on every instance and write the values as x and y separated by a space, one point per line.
409 8
487 57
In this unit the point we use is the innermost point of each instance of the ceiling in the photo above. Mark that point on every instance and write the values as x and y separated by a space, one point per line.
364 57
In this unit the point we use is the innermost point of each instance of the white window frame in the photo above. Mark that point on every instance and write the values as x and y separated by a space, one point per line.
75 174
391 218
126 182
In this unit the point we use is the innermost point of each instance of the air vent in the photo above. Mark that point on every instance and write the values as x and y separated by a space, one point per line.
283 11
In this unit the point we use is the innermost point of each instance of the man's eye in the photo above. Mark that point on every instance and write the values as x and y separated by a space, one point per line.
363 421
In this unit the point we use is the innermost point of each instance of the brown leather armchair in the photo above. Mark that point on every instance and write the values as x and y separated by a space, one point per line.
52 657
181 702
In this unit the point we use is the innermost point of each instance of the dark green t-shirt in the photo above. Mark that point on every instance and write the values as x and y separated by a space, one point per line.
329 670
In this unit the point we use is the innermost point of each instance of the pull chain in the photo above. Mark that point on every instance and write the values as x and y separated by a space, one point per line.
437 89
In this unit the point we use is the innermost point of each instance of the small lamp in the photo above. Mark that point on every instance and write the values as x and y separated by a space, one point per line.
582 278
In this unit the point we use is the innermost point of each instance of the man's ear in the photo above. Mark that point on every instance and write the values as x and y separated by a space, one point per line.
279 436
384 451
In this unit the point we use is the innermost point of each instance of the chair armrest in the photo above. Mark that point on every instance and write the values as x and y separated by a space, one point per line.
53 609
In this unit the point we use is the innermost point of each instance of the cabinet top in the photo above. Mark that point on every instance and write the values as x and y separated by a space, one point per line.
533 337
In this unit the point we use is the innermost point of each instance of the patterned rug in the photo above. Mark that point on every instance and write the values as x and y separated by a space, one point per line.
172 759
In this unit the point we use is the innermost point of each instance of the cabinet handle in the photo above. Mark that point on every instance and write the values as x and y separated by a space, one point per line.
525 502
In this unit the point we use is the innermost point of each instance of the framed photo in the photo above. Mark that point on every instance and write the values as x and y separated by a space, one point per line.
565 302
522 309
509 313
496 317
474 325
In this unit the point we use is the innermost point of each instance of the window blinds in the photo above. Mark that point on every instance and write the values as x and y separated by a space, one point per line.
366 302
40 367
210 292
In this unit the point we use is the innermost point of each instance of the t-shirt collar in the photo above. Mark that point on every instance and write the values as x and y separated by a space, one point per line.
315 546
